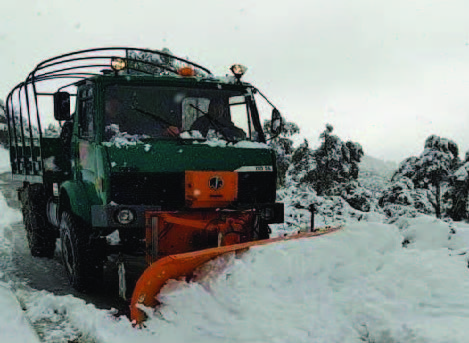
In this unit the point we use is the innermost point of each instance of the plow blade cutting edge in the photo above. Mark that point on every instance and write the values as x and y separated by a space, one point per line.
175 266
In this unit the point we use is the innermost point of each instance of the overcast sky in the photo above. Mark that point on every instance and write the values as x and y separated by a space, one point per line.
386 74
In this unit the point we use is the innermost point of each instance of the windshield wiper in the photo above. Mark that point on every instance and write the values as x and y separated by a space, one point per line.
215 123
153 115
162 120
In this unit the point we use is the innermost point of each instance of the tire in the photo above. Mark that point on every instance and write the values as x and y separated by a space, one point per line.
262 229
40 234
83 265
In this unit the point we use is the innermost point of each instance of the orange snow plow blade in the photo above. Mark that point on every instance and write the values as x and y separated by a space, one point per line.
175 266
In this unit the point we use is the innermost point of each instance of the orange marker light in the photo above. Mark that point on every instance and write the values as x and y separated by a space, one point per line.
186 71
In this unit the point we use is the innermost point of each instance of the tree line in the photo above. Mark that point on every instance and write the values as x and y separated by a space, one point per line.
434 182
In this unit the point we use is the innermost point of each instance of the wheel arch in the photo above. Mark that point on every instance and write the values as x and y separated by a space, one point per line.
77 197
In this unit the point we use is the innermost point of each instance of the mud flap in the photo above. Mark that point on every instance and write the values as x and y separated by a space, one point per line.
176 266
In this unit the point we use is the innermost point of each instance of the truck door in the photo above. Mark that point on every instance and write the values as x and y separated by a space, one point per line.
86 152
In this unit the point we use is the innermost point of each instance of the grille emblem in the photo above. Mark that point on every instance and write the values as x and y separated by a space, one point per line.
215 183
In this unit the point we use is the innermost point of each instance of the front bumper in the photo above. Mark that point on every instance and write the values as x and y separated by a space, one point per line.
105 216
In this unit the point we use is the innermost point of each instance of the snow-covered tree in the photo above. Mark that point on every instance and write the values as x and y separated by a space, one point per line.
402 192
329 168
432 168
459 192
53 130
3 125
283 147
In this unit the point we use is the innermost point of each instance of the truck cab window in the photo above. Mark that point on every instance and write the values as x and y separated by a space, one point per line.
192 109
86 113
239 111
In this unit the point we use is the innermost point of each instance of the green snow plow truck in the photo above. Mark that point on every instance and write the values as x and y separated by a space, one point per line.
150 148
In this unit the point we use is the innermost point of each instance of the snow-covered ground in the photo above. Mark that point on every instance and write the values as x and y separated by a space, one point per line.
357 285
4 160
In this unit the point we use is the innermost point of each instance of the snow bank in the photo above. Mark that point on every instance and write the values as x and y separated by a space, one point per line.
69 319
7 217
14 327
4 161
358 285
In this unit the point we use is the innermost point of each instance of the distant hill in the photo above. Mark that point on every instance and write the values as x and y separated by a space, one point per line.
375 174
371 166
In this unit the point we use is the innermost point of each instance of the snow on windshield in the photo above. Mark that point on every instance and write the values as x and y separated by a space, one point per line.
121 139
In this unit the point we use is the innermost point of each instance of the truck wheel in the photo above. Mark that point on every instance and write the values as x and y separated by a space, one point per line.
264 231
83 265
41 236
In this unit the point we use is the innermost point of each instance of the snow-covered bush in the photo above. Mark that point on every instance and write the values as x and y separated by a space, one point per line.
328 210
394 212
359 198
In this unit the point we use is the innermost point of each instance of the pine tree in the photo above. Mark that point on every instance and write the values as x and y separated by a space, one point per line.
283 147
459 192
329 168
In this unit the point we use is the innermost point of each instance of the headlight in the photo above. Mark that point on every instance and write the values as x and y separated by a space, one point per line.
125 216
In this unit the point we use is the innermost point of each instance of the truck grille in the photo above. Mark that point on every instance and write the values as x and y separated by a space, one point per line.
167 190
161 189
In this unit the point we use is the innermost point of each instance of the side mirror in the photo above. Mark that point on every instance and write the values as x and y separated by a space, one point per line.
276 123
62 106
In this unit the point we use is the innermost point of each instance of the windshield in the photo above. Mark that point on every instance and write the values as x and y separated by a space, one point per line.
177 113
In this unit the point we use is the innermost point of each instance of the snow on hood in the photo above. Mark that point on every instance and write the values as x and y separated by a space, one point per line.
123 139
215 142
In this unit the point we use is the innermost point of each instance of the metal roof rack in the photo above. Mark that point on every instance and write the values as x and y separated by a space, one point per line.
81 65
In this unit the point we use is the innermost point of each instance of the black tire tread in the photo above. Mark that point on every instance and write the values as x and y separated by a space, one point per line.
87 263
40 234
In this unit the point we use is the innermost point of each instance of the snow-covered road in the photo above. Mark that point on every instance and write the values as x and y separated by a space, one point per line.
357 285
